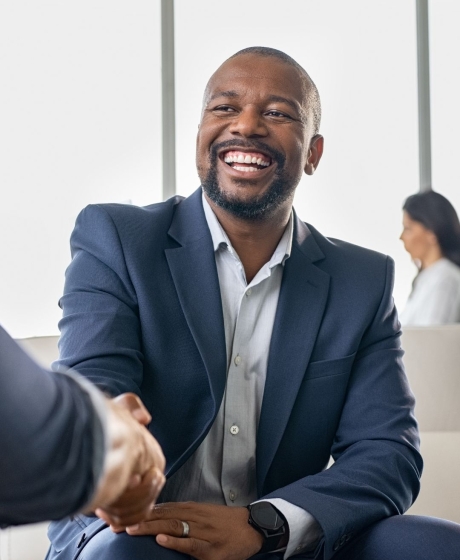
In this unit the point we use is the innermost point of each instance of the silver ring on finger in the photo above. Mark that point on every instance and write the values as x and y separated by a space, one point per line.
185 529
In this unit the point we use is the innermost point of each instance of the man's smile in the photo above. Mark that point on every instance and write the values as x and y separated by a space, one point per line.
239 161
248 162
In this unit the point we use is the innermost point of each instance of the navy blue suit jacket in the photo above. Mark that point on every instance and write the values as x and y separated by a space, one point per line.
48 427
142 313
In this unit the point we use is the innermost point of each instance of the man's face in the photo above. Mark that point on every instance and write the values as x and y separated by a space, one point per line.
254 138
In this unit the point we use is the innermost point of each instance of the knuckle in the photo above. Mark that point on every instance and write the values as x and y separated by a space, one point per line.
176 526
195 547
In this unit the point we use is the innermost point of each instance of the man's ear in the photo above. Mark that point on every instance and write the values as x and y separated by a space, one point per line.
315 151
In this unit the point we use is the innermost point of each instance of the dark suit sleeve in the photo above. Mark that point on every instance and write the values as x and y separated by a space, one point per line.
100 329
48 432
377 464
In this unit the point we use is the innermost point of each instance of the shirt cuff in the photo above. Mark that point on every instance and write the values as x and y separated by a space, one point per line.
304 531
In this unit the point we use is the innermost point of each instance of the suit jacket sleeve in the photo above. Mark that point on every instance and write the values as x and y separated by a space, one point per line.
377 464
51 440
100 329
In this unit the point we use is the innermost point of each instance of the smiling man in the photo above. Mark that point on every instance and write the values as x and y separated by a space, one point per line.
260 348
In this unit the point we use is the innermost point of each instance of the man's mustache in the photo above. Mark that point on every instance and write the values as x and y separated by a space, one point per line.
254 145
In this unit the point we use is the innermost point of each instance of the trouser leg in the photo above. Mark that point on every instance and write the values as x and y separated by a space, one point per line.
405 537
107 545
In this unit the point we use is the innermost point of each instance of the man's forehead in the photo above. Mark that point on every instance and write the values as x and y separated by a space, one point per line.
259 69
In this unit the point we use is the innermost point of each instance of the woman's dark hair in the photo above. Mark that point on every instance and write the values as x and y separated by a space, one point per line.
438 215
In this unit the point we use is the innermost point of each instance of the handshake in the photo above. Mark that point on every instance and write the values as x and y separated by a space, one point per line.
132 476
65 444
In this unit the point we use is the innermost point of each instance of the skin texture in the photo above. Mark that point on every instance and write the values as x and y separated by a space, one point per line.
133 471
252 104
213 530
420 242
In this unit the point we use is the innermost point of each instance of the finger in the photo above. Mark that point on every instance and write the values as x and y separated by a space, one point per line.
158 477
133 403
122 521
115 528
126 519
134 505
193 547
179 510
135 480
172 527
155 452
143 490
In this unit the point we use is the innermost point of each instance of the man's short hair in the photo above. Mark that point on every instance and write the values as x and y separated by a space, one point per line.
312 98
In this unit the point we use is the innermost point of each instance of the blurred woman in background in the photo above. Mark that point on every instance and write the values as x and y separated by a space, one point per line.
431 235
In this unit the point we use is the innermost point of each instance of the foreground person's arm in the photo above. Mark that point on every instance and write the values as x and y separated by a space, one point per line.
65 447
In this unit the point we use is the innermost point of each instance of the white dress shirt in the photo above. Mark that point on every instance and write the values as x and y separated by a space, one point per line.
223 468
435 297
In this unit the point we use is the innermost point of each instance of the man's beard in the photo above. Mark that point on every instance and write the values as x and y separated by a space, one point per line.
259 208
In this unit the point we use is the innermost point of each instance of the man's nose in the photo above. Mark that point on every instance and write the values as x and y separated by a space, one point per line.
249 123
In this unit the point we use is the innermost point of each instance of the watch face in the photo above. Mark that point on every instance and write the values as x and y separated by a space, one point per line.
266 516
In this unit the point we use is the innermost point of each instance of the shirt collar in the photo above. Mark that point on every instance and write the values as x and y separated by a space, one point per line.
220 238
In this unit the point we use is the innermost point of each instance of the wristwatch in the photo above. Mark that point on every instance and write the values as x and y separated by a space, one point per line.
266 519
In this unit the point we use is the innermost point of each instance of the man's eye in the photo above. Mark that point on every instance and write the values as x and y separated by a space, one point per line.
277 114
224 109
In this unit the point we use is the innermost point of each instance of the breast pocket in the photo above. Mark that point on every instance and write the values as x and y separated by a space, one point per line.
328 368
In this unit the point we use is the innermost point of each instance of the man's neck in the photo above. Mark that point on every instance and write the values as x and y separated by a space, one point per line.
254 241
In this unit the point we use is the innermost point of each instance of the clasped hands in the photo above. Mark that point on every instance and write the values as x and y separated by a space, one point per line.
134 464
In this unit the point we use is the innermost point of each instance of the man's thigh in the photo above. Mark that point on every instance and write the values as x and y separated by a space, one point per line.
405 537
106 545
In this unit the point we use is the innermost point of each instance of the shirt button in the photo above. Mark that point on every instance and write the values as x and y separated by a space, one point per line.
248 292
237 360
232 495
234 430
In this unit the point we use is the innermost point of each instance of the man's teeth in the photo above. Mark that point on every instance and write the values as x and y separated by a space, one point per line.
240 158
247 169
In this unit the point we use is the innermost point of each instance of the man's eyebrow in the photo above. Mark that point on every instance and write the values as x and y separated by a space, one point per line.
280 99
228 93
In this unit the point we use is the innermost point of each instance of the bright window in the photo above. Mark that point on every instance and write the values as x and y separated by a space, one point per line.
80 113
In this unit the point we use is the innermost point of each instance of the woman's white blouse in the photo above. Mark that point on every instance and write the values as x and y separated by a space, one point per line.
435 297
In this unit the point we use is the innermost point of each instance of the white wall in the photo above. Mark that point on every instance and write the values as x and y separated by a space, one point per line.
80 123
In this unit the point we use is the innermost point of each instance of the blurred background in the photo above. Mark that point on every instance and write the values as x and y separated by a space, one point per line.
81 119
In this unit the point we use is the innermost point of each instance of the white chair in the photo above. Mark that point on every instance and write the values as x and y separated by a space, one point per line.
432 361
30 542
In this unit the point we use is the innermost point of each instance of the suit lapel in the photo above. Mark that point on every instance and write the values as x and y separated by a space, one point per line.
301 305
194 272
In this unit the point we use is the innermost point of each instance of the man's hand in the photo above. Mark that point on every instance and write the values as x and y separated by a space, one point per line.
136 502
216 532
133 471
